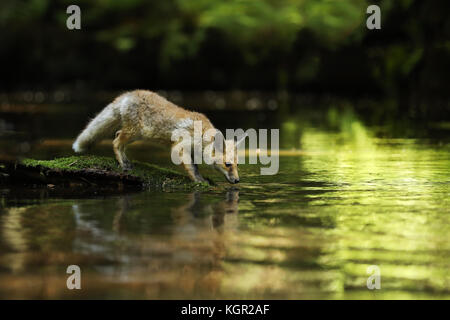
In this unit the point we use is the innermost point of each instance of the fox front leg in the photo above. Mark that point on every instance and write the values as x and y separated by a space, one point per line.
194 174
119 143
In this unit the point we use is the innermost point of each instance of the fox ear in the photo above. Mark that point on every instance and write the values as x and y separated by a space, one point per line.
238 142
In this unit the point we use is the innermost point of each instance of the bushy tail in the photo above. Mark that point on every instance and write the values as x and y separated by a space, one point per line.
104 124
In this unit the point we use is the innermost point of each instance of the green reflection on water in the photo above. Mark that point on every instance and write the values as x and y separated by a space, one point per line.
348 200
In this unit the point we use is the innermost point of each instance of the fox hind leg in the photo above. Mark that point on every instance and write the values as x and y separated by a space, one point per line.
122 139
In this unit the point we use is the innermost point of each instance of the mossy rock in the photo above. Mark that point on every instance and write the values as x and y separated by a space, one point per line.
95 172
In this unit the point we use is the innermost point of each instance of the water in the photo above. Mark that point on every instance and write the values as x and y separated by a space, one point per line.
345 198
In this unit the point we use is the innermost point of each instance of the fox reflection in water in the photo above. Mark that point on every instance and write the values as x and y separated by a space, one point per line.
218 214
192 219
121 242
184 254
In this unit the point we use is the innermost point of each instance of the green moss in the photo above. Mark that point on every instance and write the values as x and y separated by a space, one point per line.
150 175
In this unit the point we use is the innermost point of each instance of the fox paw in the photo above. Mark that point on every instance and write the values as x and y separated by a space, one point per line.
127 166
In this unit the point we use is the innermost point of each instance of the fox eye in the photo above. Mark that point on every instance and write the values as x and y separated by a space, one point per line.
227 164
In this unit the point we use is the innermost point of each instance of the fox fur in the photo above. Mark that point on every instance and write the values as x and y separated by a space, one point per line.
145 115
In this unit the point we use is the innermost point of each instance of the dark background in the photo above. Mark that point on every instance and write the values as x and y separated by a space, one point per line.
312 47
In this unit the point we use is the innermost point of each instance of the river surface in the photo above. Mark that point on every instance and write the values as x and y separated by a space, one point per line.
346 197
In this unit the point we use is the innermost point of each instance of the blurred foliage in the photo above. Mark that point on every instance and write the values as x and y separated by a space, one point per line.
301 45
248 25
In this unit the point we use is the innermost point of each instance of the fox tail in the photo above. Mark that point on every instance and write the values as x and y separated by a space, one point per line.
104 124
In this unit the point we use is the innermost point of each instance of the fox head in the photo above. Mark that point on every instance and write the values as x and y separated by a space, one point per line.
228 163
228 167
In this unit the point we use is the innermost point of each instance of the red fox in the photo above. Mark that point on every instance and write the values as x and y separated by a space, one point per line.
141 114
